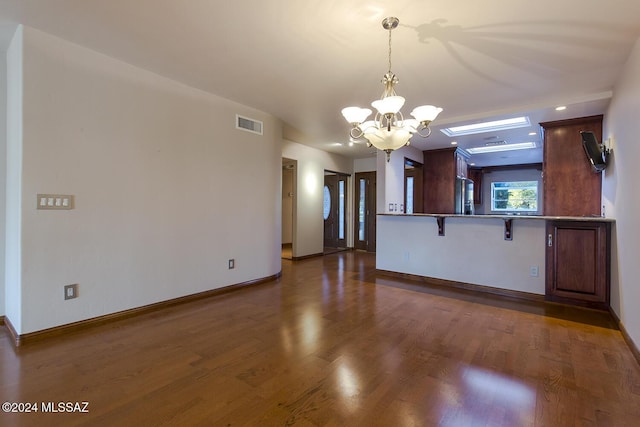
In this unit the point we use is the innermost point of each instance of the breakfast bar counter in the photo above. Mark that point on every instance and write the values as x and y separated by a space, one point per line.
505 252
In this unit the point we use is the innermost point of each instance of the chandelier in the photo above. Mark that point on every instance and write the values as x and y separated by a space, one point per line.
389 130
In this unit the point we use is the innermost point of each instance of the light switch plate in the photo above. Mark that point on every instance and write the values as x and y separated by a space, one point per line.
55 201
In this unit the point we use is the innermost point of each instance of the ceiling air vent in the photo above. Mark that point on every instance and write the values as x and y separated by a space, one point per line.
250 125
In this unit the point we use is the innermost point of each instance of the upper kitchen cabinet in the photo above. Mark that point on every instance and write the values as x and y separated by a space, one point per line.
442 168
461 164
571 188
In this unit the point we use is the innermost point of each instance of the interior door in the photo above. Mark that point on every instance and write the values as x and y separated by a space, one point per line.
365 218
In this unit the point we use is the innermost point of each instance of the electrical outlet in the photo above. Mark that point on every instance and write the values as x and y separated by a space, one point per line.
534 271
71 291
232 264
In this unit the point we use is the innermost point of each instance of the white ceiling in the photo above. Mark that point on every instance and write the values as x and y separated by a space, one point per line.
303 61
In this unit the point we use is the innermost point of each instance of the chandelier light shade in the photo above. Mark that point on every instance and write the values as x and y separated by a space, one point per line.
389 130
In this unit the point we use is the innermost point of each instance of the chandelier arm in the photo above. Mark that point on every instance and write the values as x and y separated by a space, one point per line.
377 120
418 131
356 132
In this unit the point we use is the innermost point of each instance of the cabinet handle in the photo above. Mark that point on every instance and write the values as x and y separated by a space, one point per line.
550 240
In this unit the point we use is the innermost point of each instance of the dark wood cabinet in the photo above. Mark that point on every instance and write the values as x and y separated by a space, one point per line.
475 175
578 263
441 168
461 165
570 186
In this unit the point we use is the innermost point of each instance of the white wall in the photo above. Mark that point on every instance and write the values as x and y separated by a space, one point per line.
309 225
504 176
473 250
368 164
621 196
13 231
167 190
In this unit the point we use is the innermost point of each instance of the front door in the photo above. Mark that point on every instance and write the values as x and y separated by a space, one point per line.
334 210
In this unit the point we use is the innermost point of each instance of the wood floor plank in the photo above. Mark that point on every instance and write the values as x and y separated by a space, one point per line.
332 343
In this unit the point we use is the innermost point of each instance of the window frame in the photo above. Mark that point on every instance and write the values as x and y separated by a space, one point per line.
533 185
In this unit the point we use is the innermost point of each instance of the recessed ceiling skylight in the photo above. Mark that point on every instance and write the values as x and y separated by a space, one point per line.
501 147
513 123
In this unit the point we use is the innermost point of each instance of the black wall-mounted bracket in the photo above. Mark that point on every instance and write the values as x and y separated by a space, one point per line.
440 220
508 229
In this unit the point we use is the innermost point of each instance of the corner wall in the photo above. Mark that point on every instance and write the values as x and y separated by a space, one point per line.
166 189
13 228
621 197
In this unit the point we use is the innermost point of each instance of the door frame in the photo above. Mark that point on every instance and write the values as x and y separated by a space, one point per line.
369 242
290 165
414 169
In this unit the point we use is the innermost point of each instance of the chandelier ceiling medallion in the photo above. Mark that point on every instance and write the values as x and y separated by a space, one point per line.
389 130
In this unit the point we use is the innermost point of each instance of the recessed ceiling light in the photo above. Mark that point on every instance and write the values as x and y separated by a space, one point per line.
513 123
501 147
533 133
454 142
560 108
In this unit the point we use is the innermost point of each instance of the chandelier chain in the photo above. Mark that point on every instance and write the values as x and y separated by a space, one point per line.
390 50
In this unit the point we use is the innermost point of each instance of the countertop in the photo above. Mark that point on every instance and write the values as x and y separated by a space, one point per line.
506 217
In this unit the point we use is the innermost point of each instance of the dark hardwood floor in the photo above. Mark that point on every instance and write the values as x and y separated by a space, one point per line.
331 343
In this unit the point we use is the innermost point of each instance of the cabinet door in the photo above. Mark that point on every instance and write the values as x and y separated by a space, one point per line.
577 263
439 173
461 166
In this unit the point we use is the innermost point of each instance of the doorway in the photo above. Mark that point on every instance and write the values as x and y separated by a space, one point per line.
334 211
288 206
413 186
365 218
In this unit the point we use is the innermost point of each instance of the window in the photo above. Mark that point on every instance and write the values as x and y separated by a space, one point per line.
361 209
514 196
341 190
326 203
409 191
